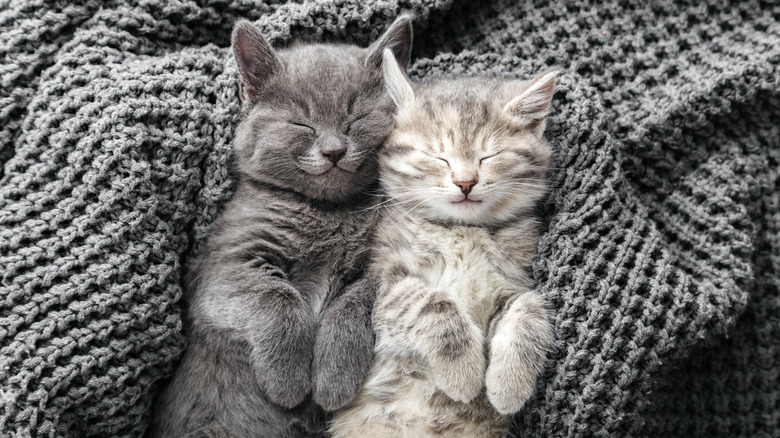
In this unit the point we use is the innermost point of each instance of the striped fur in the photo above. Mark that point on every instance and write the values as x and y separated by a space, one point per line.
461 337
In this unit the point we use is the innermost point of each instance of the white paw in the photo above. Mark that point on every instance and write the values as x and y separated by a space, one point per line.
461 380
517 353
508 385
460 372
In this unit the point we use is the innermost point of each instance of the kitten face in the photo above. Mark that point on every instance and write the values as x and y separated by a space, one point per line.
314 114
468 151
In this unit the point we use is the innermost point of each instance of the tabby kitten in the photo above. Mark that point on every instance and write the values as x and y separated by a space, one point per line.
461 337
279 307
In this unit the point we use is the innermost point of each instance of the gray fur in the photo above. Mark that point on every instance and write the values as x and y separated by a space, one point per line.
279 309
661 258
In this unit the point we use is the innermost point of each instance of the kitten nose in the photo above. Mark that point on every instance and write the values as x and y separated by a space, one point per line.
465 186
333 148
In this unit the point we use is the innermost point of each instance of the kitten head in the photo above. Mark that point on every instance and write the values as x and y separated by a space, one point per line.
314 115
467 151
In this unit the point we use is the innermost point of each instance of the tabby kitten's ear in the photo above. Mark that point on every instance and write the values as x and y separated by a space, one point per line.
397 38
530 107
256 59
396 83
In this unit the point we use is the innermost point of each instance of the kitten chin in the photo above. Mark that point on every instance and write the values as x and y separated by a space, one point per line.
485 210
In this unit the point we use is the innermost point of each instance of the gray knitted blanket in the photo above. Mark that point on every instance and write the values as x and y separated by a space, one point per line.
661 259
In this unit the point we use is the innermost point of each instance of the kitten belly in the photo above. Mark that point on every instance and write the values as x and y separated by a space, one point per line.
467 272
399 399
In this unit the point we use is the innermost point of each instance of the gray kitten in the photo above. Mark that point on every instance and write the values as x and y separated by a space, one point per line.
279 309
461 335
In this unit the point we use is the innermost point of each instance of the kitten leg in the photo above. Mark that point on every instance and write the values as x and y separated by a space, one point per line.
282 336
518 350
344 346
273 317
416 315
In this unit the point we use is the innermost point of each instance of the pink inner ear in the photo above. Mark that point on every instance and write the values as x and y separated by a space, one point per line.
255 58
534 101
250 64
539 100
247 56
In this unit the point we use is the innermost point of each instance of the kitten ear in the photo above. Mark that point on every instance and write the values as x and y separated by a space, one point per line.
397 38
256 60
396 83
531 106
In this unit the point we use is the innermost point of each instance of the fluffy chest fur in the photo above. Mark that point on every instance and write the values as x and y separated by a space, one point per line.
450 279
475 266
317 249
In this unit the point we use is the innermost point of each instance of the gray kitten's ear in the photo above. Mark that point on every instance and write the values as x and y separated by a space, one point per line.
530 107
397 38
396 83
256 60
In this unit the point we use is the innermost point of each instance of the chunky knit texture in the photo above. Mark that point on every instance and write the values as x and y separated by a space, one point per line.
661 261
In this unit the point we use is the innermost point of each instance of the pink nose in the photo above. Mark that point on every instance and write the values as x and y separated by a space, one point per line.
465 186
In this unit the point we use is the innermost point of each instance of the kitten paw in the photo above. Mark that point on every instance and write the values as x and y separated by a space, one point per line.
461 380
288 386
282 349
343 350
331 395
517 354
338 375
458 366
509 386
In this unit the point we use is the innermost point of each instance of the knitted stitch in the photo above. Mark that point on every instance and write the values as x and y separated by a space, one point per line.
661 259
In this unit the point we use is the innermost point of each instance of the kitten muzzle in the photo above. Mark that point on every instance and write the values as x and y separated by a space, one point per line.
332 148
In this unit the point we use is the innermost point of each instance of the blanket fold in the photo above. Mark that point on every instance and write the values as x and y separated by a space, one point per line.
661 258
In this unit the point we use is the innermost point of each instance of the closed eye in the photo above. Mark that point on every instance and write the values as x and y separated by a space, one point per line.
303 125
349 125
488 157
442 159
